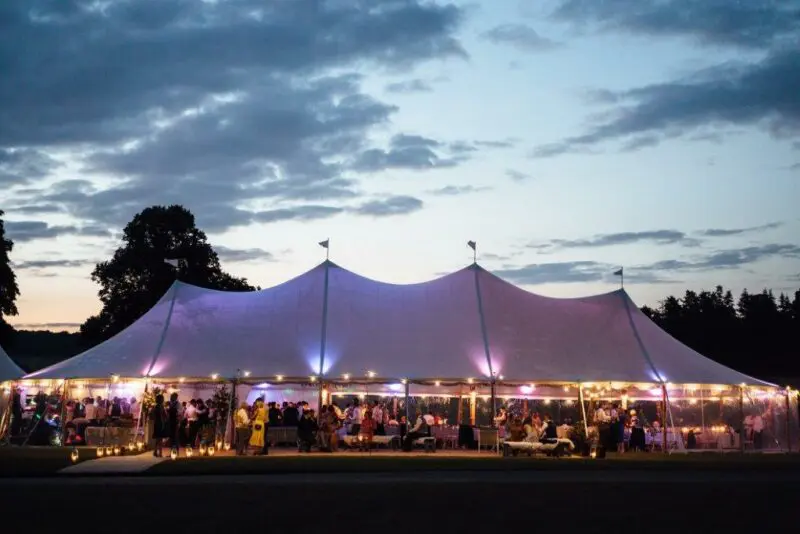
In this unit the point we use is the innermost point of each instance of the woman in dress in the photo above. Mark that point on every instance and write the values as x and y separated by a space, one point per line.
259 427
160 430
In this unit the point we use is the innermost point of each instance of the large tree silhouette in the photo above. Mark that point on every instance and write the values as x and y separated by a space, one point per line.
758 334
137 276
9 290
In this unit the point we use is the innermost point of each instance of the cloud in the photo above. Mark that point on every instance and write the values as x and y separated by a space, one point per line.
409 86
298 213
572 272
520 36
749 24
507 143
455 190
725 232
517 176
46 326
727 259
412 152
707 103
36 209
659 237
235 255
231 103
48 264
22 166
22 231
752 94
396 205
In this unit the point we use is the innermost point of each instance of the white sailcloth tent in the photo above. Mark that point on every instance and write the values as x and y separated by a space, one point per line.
336 325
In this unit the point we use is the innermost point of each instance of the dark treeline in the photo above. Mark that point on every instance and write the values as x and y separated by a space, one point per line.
757 334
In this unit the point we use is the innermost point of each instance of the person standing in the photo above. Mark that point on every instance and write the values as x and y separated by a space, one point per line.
377 415
758 429
174 415
258 437
159 417
242 430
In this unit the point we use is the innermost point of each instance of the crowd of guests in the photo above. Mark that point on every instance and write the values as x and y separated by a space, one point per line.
532 428
183 424
324 431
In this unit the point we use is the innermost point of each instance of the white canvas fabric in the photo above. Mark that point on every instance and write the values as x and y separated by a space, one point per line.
467 324
8 369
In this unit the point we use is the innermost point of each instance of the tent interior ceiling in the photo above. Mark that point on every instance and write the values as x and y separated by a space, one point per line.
466 324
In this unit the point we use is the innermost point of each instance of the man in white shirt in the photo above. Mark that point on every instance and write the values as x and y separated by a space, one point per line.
758 428
242 429
356 418
90 410
429 419
134 408
377 416
193 421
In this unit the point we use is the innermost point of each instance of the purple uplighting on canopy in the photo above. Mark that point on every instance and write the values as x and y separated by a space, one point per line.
427 331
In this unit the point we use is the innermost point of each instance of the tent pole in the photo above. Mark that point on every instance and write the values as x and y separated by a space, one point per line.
494 401
230 422
788 422
460 405
583 411
472 403
63 415
666 417
702 412
408 405
324 332
742 429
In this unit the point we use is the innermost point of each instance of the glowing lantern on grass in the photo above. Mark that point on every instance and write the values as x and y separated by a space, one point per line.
189 452
117 450
211 451
227 446
173 454
109 451
202 450
99 452
74 455
140 446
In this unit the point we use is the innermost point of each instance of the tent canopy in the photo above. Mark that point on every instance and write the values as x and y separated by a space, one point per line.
330 321
8 369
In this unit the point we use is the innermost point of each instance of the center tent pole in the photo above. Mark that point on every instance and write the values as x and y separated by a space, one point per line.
742 428
666 417
583 410
494 400
788 421
408 405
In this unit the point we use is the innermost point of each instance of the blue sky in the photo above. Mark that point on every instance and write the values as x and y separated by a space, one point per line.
567 138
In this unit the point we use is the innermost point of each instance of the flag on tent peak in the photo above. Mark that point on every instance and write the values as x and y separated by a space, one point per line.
172 262
324 244
618 272
472 244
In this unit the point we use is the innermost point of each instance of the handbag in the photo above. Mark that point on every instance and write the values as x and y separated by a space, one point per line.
258 427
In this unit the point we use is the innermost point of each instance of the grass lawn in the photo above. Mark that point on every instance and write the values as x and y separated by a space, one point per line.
347 463
38 461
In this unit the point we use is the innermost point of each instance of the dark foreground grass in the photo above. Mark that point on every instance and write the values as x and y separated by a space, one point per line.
38 461
343 463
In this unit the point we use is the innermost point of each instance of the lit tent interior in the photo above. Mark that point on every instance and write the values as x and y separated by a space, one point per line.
468 335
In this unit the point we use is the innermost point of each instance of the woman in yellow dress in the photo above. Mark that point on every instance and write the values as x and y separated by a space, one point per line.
259 426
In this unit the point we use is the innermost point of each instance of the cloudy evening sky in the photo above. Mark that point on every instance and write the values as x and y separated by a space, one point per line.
567 137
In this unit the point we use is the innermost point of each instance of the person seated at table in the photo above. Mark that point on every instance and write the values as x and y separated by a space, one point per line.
516 430
549 431
306 431
367 430
532 433
420 430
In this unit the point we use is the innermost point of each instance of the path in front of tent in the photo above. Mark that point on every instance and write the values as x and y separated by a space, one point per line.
115 465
